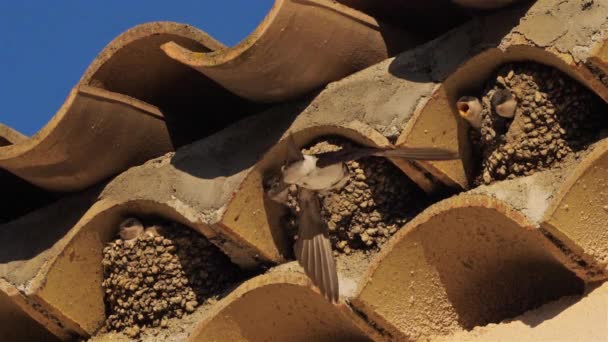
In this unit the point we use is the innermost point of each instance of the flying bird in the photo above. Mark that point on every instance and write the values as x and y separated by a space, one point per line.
327 171
319 174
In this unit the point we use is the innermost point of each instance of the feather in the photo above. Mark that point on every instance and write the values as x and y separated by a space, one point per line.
293 151
279 192
418 153
293 155
313 248
324 178
413 153
300 169
306 174
317 264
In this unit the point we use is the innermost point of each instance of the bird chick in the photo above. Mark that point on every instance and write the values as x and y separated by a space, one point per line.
469 108
154 231
130 229
504 103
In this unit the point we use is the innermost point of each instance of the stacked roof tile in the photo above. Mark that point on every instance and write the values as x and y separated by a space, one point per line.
313 68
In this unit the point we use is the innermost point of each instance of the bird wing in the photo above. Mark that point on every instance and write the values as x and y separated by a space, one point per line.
295 172
313 248
293 152
344 155
324 178
412 153
418 153
279 193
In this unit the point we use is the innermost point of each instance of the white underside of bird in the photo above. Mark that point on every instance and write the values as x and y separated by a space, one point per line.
306 174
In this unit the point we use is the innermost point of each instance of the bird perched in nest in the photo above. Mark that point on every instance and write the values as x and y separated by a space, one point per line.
504 103
318 174
470 109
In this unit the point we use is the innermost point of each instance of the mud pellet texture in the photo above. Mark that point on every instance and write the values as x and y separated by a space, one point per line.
555 119
152 278
376 202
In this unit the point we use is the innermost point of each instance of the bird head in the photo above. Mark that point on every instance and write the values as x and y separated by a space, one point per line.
469 108
130 229
504 103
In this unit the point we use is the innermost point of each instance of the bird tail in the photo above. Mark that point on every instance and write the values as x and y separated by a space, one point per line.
412 153
313 247
417 153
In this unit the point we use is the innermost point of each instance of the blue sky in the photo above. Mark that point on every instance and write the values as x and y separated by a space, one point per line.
45 46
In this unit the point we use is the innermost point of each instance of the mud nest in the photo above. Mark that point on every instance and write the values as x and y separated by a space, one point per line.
377 200
555 118
163 273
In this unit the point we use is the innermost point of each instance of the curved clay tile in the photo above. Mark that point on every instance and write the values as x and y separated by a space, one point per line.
95 134
23 326
221 175
300 46
105 126
477 49
24 197
134 65
60 271
282 305
9 136
59 268
429 18
201 185
464 262
500 252
204 185
566 205
27 243
581 318
578 213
